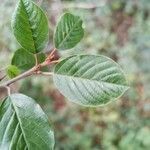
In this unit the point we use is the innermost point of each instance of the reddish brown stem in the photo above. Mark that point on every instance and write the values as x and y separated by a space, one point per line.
32 71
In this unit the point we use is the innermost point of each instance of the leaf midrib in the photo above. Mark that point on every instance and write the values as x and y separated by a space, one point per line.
29 25
20 123
80 78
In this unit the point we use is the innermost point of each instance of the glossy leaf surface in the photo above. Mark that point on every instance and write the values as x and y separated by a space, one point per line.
23 125
30 26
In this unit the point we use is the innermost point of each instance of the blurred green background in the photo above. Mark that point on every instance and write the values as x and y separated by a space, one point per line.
119 29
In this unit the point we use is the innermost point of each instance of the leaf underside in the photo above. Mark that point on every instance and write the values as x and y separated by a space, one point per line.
89 80
30 26
68 32
23 125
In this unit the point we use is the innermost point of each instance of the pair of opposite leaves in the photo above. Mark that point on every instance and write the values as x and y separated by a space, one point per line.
88 80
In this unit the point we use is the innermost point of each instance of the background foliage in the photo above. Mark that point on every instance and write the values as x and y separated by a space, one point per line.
117 28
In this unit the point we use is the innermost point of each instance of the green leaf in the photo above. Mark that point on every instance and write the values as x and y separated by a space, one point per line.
12 71
30 26
23 125
68 32
25 60
89 80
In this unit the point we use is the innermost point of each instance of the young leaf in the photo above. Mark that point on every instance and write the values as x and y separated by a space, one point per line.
68 32
30 26
12 71
89 80
25 60
23 125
